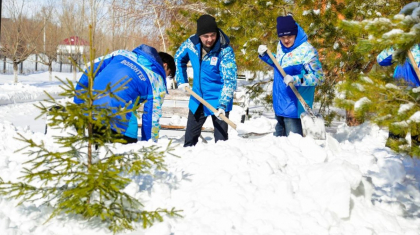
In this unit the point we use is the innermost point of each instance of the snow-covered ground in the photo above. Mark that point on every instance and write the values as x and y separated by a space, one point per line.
350 184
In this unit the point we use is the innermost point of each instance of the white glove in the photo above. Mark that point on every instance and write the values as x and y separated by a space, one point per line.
183 86
262 49
288 79
219 111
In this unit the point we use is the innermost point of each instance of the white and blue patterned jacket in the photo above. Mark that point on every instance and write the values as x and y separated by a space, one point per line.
147 82
214 75
301 61
403 71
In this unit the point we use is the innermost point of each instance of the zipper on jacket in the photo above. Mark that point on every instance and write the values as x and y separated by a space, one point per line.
201 61
301 79
281 61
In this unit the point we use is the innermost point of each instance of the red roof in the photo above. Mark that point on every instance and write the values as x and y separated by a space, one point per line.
75 40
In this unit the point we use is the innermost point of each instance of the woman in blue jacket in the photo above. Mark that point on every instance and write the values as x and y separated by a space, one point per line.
300 61
214 66
145 70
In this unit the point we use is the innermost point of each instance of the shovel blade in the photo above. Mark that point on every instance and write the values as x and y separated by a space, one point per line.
254 128
253 135
313 126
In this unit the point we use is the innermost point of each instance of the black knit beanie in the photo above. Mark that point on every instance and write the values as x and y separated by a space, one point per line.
206 24
286 25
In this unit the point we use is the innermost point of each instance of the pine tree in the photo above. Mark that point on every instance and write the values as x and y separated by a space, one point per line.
322 21
77 179
248 24
377 96
252 23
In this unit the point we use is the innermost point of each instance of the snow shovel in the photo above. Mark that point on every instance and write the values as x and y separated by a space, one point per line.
242 131
205 103
312 125
180 128
413 63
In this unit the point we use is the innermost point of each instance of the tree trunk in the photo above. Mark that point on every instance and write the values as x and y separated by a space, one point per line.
351 120
160 30
15 71
74 68
50 71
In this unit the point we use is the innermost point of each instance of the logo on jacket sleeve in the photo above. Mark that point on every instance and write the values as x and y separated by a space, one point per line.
213 61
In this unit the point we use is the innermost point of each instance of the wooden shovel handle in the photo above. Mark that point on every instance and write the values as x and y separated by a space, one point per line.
291 85
205 103
174 127
413 63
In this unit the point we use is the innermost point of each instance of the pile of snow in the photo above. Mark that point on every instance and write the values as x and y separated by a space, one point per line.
350 184
30 87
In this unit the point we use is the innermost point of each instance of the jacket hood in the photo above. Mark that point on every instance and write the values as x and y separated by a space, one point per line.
152 55
301 37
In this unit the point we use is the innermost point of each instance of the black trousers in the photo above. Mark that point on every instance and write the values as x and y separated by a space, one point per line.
415 139
195 123
128 140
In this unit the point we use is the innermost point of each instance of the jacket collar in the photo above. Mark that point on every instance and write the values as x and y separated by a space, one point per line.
151 54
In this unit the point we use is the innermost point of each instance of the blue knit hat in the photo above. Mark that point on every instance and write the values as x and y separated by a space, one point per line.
286 25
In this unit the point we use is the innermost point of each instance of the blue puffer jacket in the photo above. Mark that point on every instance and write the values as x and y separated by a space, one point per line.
143 67
301 61
404 71
214 74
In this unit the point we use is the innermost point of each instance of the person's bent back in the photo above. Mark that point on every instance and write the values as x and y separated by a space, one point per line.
144 74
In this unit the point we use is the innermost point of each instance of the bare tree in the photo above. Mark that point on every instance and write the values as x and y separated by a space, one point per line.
46 46
19 34
116 24
165 13
124 24
75 25
77 16
98 14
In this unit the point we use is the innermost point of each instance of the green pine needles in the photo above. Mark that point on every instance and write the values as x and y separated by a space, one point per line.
86 175
377 96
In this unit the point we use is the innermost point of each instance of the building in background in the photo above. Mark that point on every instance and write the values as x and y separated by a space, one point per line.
73 47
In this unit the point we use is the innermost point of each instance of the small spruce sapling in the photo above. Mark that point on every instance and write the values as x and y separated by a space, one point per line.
76 179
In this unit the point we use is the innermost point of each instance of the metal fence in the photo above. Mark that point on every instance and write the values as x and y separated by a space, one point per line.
32 65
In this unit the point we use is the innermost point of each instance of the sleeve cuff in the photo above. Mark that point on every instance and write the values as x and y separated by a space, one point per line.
222 106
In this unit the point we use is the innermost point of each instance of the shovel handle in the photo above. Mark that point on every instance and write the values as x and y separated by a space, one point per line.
205 103
291 85
413 63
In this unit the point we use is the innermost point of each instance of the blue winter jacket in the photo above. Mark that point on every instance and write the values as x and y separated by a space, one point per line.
403 71
301 61
143 68
214 75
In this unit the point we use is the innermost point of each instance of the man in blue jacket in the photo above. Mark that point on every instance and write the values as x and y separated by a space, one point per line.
406 73
214 80
145 70
300 61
